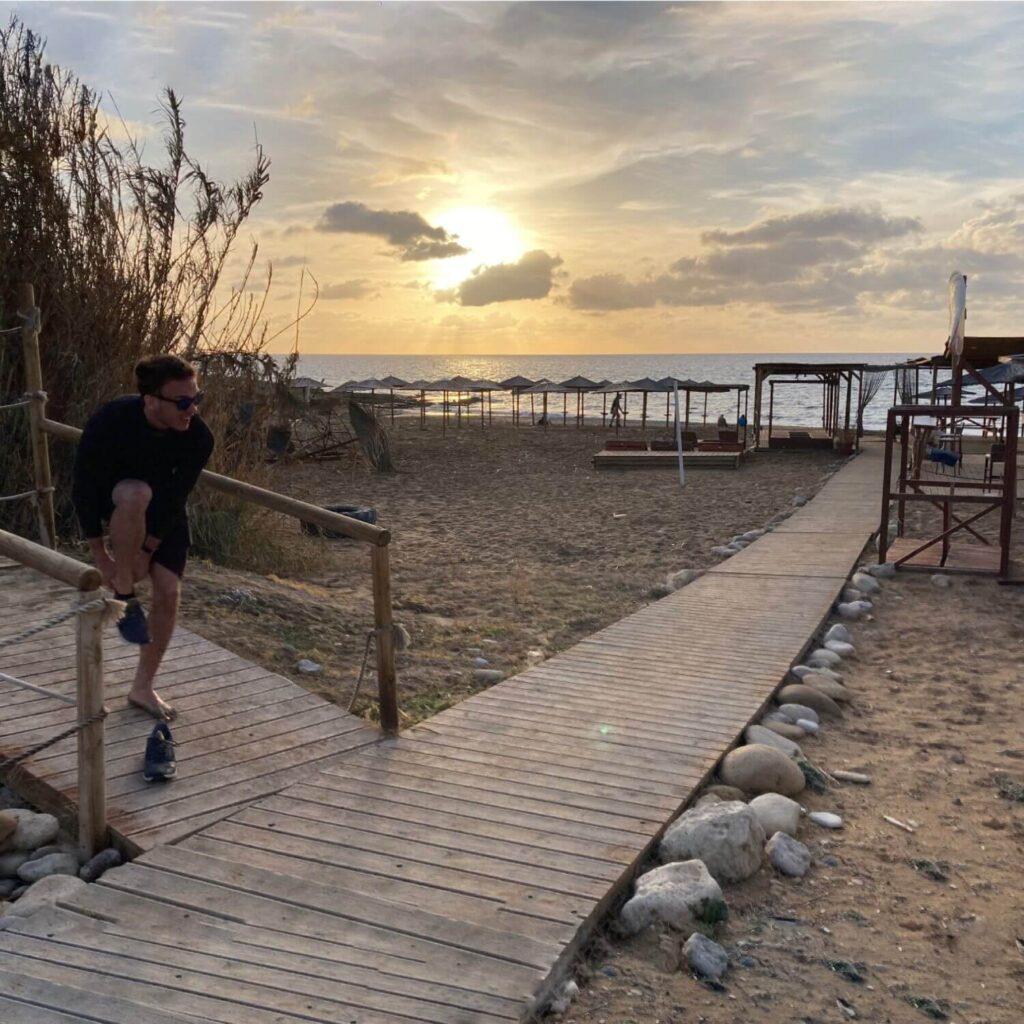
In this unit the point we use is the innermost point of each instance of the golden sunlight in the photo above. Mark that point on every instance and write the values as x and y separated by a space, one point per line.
489 235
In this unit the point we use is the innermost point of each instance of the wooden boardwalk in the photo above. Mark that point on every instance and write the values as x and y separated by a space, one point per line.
447 876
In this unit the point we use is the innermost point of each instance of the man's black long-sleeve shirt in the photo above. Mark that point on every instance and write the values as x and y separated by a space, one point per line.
119 444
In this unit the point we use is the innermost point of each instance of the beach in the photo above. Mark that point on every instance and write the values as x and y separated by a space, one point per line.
507 546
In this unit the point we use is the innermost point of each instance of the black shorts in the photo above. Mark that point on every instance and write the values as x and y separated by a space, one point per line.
173 551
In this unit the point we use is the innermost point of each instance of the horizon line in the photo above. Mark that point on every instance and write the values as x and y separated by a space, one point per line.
579 355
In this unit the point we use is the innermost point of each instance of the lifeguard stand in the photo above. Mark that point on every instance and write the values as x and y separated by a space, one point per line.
931 436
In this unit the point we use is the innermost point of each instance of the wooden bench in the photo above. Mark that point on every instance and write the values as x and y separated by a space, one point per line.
616 445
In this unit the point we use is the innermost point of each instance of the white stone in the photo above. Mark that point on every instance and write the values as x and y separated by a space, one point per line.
826 819
840 647
682 895
51 864
829 673
705 956
684 577
34 830
795 712
788 855
722 551
850 611
566 994
535 655
480 662
308 667
866 584
839 632
941 581
799 501
726 836
863 604
823 656
885 571
759 734
808 726
777 813
753 534
44 893
858 777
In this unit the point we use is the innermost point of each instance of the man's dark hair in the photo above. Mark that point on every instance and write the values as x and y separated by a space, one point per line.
152 373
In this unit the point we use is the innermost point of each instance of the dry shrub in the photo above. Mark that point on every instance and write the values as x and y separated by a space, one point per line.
127 257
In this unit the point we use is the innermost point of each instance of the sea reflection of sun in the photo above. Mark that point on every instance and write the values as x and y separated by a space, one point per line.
488 234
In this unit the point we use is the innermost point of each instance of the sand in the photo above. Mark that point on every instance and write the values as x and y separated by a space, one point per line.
504 539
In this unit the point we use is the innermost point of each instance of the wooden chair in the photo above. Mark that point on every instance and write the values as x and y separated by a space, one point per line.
996 454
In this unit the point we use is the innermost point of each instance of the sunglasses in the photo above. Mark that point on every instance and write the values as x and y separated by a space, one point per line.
184 403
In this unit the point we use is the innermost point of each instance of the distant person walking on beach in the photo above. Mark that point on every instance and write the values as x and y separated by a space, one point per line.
722 421
616 413
137 462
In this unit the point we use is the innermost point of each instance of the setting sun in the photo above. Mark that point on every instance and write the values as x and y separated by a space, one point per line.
488 234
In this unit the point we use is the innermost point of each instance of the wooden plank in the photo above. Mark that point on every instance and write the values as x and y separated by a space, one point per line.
289 857
32 994
330 945
286 815
226 976
238 891
331 802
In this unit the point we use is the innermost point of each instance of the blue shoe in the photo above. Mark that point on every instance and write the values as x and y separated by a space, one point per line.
159 765
132 625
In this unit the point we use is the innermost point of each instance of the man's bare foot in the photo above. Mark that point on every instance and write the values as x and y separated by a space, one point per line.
153 705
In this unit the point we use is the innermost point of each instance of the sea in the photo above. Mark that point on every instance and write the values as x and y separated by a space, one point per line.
792 404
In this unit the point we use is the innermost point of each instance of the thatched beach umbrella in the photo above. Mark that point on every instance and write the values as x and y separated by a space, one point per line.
579 385
516 385
542 387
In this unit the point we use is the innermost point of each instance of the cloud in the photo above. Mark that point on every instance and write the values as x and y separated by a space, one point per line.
531 277
358 288
421 250
856 224
818 259
411 235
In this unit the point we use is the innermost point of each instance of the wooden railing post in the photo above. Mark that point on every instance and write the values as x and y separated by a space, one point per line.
386 679
92 796
36 415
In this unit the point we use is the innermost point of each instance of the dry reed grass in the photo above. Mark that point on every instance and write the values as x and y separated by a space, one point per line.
127 257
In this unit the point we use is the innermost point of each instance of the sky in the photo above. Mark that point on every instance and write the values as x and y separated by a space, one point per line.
466 178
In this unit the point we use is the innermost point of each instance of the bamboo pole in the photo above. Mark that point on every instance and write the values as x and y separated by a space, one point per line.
386 677
36 414
92 799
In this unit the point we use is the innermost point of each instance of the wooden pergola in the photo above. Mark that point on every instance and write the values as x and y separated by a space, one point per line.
836 381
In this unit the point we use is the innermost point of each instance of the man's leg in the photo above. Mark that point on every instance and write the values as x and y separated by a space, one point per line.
128 530
162 617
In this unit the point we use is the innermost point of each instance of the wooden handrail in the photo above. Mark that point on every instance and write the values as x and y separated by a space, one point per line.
50 563
350 527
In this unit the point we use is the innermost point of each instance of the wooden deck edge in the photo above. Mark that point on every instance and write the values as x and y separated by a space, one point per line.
588 929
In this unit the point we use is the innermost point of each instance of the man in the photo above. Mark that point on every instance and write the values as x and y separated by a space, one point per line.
616 416
138 460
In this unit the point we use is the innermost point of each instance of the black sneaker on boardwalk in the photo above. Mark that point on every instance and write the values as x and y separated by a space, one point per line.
132 625
160 765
